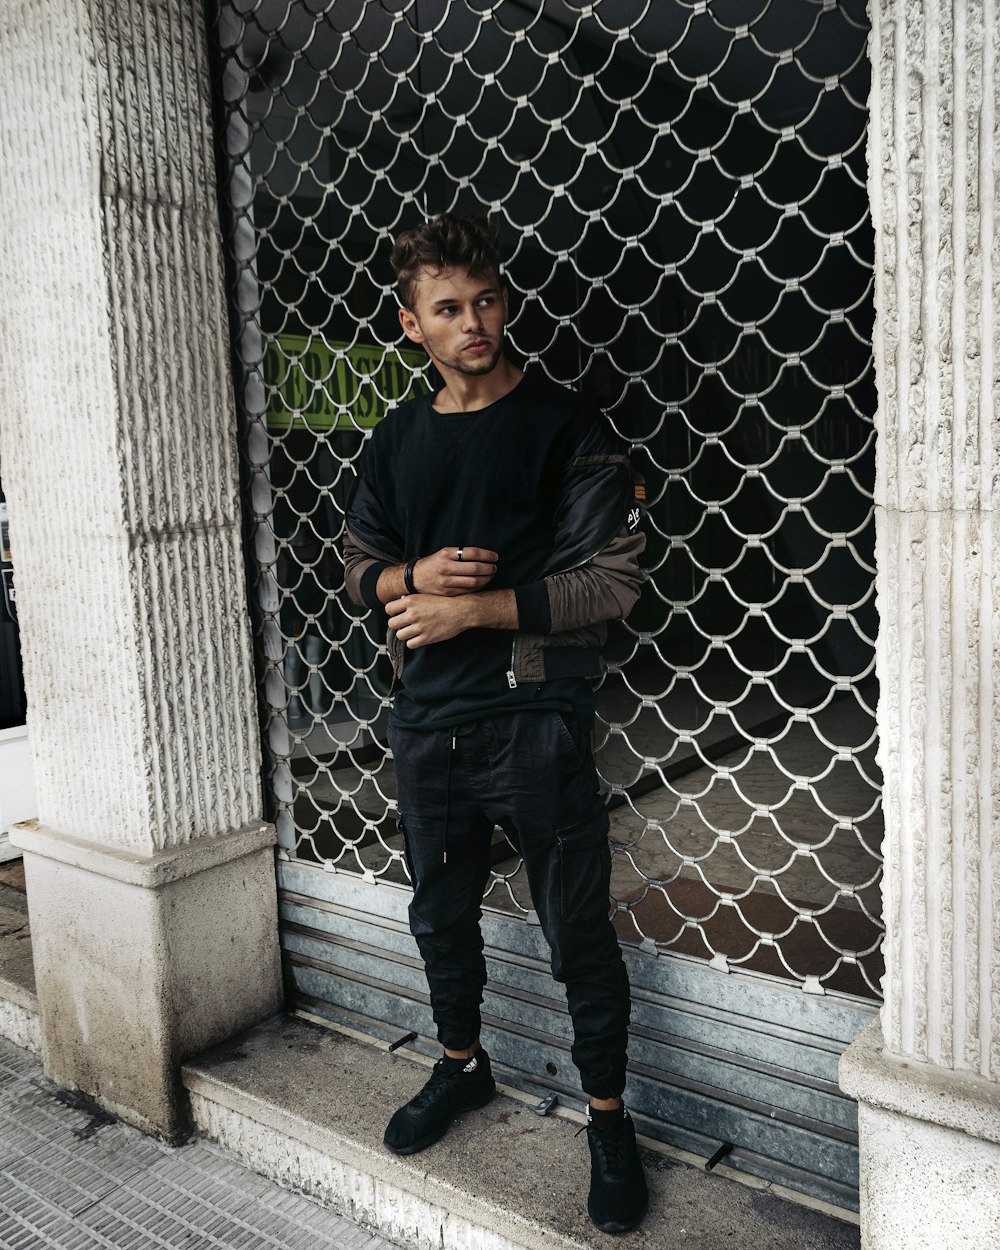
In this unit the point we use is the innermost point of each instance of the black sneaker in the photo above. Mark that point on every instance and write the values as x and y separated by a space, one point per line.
618 1194
451 1089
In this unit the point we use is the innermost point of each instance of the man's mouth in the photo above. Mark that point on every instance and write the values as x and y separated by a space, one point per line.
480 345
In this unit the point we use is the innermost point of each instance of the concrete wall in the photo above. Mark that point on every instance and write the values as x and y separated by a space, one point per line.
17 785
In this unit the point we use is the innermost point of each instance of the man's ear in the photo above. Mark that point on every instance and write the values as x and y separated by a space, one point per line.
411 326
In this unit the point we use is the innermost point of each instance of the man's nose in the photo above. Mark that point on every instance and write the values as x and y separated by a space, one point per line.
473 320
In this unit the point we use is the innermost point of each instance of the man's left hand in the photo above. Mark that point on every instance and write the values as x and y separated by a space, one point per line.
422 619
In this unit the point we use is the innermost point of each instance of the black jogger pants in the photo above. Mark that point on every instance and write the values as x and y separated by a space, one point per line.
533 774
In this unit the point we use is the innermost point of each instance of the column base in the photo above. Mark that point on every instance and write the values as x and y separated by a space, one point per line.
143 961
929 1151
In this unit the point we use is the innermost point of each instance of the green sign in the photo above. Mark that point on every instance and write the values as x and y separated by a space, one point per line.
318 386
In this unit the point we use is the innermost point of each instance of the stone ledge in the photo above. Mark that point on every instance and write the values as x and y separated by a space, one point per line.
20 1025
17 993
132 867
17 977
19 1016
17 969
306 1106
7 852
921 1091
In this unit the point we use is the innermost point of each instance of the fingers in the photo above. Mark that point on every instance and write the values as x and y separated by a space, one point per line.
471 568
399 622
408 632
444 573
473 555
452 587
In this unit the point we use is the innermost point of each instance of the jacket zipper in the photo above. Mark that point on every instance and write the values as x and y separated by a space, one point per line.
511 679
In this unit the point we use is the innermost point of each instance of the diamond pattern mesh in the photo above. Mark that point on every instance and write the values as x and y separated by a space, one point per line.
682 189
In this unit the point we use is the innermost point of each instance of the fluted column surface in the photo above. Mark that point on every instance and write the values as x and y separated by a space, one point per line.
117 431
934 169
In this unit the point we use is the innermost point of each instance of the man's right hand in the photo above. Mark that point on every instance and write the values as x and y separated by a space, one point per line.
442 574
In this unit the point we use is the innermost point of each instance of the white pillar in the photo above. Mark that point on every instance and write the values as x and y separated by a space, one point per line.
928 1076
150 871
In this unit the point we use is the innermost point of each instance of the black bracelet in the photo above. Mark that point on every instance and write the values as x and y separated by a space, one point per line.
408 581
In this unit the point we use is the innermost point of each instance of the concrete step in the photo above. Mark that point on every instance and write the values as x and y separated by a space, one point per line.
18 1002
306 1105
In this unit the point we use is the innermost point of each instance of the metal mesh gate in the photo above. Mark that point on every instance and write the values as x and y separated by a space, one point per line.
682 187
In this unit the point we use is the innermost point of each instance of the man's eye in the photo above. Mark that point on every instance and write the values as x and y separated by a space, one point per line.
487 300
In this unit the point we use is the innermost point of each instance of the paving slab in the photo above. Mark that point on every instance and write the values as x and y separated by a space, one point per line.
308 1106
12 919
73 1178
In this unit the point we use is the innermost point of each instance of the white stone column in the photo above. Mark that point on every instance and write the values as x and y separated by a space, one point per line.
928 1076
150 871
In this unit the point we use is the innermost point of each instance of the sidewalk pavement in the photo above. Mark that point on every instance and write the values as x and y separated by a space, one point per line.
76 1179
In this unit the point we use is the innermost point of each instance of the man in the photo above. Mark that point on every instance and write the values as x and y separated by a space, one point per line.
495 521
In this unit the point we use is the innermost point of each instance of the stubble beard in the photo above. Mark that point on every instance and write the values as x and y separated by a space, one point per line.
470 368
476 369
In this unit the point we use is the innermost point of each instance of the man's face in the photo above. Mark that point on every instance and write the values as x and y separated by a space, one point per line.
459 317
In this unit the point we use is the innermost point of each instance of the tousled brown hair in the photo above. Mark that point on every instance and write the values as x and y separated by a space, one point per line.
445 242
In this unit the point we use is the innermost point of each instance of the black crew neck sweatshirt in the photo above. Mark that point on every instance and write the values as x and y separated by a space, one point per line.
488 478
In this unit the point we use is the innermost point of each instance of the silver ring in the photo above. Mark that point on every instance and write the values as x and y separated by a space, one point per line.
459 555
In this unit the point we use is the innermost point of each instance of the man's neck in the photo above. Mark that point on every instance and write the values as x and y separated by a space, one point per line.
464 392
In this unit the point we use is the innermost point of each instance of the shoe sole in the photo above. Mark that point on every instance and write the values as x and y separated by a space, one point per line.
424 1142
616 1226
